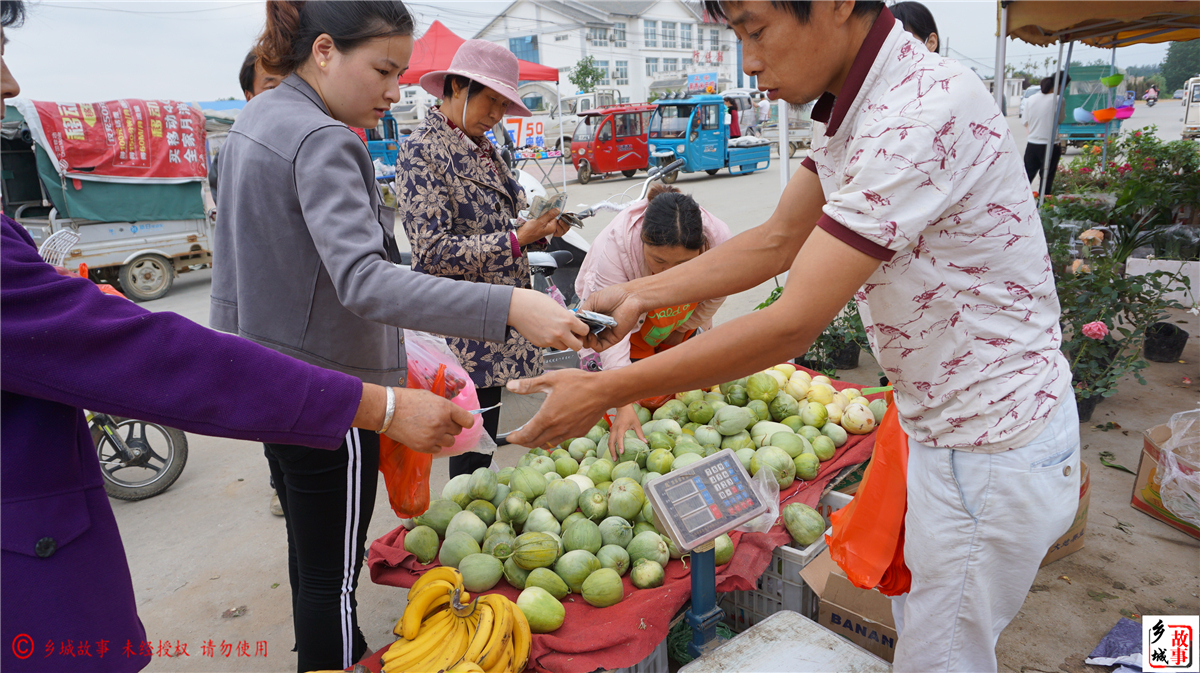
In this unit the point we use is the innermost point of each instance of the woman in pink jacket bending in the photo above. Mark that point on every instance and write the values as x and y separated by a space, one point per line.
649 237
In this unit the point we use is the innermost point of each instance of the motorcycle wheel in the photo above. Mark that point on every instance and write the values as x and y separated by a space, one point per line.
164 455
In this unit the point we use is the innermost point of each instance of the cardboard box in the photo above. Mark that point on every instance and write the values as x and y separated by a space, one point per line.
1145 486
863 617
1072 540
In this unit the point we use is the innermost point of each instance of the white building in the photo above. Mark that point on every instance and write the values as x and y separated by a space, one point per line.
644 46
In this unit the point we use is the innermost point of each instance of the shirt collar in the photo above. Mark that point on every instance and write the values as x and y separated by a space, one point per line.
297 82
831 110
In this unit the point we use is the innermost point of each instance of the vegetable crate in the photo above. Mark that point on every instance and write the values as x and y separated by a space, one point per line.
655 662
780 586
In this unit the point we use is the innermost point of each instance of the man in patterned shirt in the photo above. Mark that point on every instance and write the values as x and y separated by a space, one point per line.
913 202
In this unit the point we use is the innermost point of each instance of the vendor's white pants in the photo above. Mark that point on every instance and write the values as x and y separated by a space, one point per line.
977 527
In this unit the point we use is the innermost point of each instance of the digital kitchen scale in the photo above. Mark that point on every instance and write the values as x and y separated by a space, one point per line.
695 505
698 503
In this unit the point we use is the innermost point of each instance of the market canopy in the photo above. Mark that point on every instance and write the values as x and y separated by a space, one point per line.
1105 23
436 48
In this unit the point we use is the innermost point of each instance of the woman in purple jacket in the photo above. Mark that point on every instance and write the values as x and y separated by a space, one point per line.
66 346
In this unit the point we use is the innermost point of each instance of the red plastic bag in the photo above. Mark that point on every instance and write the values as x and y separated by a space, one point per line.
868 534
406 472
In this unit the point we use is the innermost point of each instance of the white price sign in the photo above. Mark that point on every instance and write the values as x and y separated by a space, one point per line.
527 131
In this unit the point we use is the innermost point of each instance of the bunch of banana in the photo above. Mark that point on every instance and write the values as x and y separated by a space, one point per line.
444 631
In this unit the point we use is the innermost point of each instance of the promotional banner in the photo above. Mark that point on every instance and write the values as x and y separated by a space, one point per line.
525 131
122 140
705 82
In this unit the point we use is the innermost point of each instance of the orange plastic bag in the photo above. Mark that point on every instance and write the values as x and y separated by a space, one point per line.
867 541
406 472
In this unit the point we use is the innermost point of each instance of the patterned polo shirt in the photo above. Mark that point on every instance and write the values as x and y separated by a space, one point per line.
920 171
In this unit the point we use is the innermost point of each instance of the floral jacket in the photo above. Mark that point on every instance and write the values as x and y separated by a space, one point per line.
458 213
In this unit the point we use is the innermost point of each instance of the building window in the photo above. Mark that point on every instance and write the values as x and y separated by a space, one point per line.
561 38
618 35
621 73
651 66
603 66
687 63
651 28
525 48
668 34
685 36
700 40
623 100
714 39
598 37
670 64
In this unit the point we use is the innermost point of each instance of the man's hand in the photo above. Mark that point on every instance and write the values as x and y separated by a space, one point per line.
546 324
627 419
570 410
533 231
426 422
623 305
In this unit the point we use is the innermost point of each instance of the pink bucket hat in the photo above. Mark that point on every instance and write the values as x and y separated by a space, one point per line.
487 63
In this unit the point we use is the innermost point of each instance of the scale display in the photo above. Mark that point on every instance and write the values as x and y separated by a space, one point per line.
705 499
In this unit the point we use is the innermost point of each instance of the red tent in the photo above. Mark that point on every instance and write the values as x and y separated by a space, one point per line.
436 48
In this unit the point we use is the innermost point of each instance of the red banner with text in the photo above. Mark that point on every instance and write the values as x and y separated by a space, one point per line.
160 140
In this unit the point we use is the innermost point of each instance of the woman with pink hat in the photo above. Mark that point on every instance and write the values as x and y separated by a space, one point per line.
460 204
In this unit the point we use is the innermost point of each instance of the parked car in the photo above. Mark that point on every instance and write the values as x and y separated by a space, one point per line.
1179 94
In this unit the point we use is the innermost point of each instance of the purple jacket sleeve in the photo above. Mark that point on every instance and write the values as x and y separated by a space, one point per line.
63 340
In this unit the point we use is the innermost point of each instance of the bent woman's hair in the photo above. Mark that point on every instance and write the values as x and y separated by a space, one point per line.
673 220
293 26
917 19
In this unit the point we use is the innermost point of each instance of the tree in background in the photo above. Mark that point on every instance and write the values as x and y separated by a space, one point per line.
1143 70
586 75
1182 63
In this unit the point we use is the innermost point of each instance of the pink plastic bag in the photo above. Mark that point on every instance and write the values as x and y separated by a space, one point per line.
426 353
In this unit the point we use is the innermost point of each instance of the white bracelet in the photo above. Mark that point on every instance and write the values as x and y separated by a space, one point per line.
391 410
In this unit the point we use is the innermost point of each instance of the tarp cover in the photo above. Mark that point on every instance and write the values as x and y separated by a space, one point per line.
1104 23
127 140
626 633
435 50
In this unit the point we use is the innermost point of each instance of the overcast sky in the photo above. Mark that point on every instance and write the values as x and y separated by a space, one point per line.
89 50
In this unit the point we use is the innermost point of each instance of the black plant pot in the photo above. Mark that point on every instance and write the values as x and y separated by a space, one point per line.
846 357
815 365
1164 342
1086 405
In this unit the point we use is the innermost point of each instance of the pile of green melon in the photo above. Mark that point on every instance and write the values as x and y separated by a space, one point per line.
572 520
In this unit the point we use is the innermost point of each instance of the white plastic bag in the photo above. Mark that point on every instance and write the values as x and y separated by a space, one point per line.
1179 467
767 488
425 353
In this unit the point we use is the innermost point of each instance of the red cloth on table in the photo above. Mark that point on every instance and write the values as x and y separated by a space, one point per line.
624 634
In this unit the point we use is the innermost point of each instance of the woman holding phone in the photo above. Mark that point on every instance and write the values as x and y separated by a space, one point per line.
304 265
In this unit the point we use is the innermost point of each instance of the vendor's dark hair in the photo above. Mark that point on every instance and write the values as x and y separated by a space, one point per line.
246 74
1047 83
293 26
448 86
673 220
917 19
12 14
797 8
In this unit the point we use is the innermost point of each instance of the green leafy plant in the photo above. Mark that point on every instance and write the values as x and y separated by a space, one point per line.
1098 293
845 330
586 74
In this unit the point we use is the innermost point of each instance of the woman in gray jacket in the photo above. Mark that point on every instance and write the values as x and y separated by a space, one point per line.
302 265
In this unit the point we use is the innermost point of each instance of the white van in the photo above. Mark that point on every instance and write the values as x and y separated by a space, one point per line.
1191 108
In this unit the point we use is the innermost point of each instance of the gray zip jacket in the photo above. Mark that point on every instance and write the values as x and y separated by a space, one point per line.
300 263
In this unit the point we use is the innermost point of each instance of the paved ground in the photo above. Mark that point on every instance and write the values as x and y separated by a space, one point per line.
209 545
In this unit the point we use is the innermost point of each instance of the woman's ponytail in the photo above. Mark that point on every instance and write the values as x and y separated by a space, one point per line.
275 48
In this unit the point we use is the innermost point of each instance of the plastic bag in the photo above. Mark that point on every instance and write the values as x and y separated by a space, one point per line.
867 541
1179 467
432 367
426 353
768 490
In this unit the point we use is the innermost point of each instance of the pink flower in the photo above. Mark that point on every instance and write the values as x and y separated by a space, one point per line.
1085 170
1095 330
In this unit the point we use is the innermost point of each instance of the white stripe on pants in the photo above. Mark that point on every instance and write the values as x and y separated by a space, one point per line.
353 481
977 527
